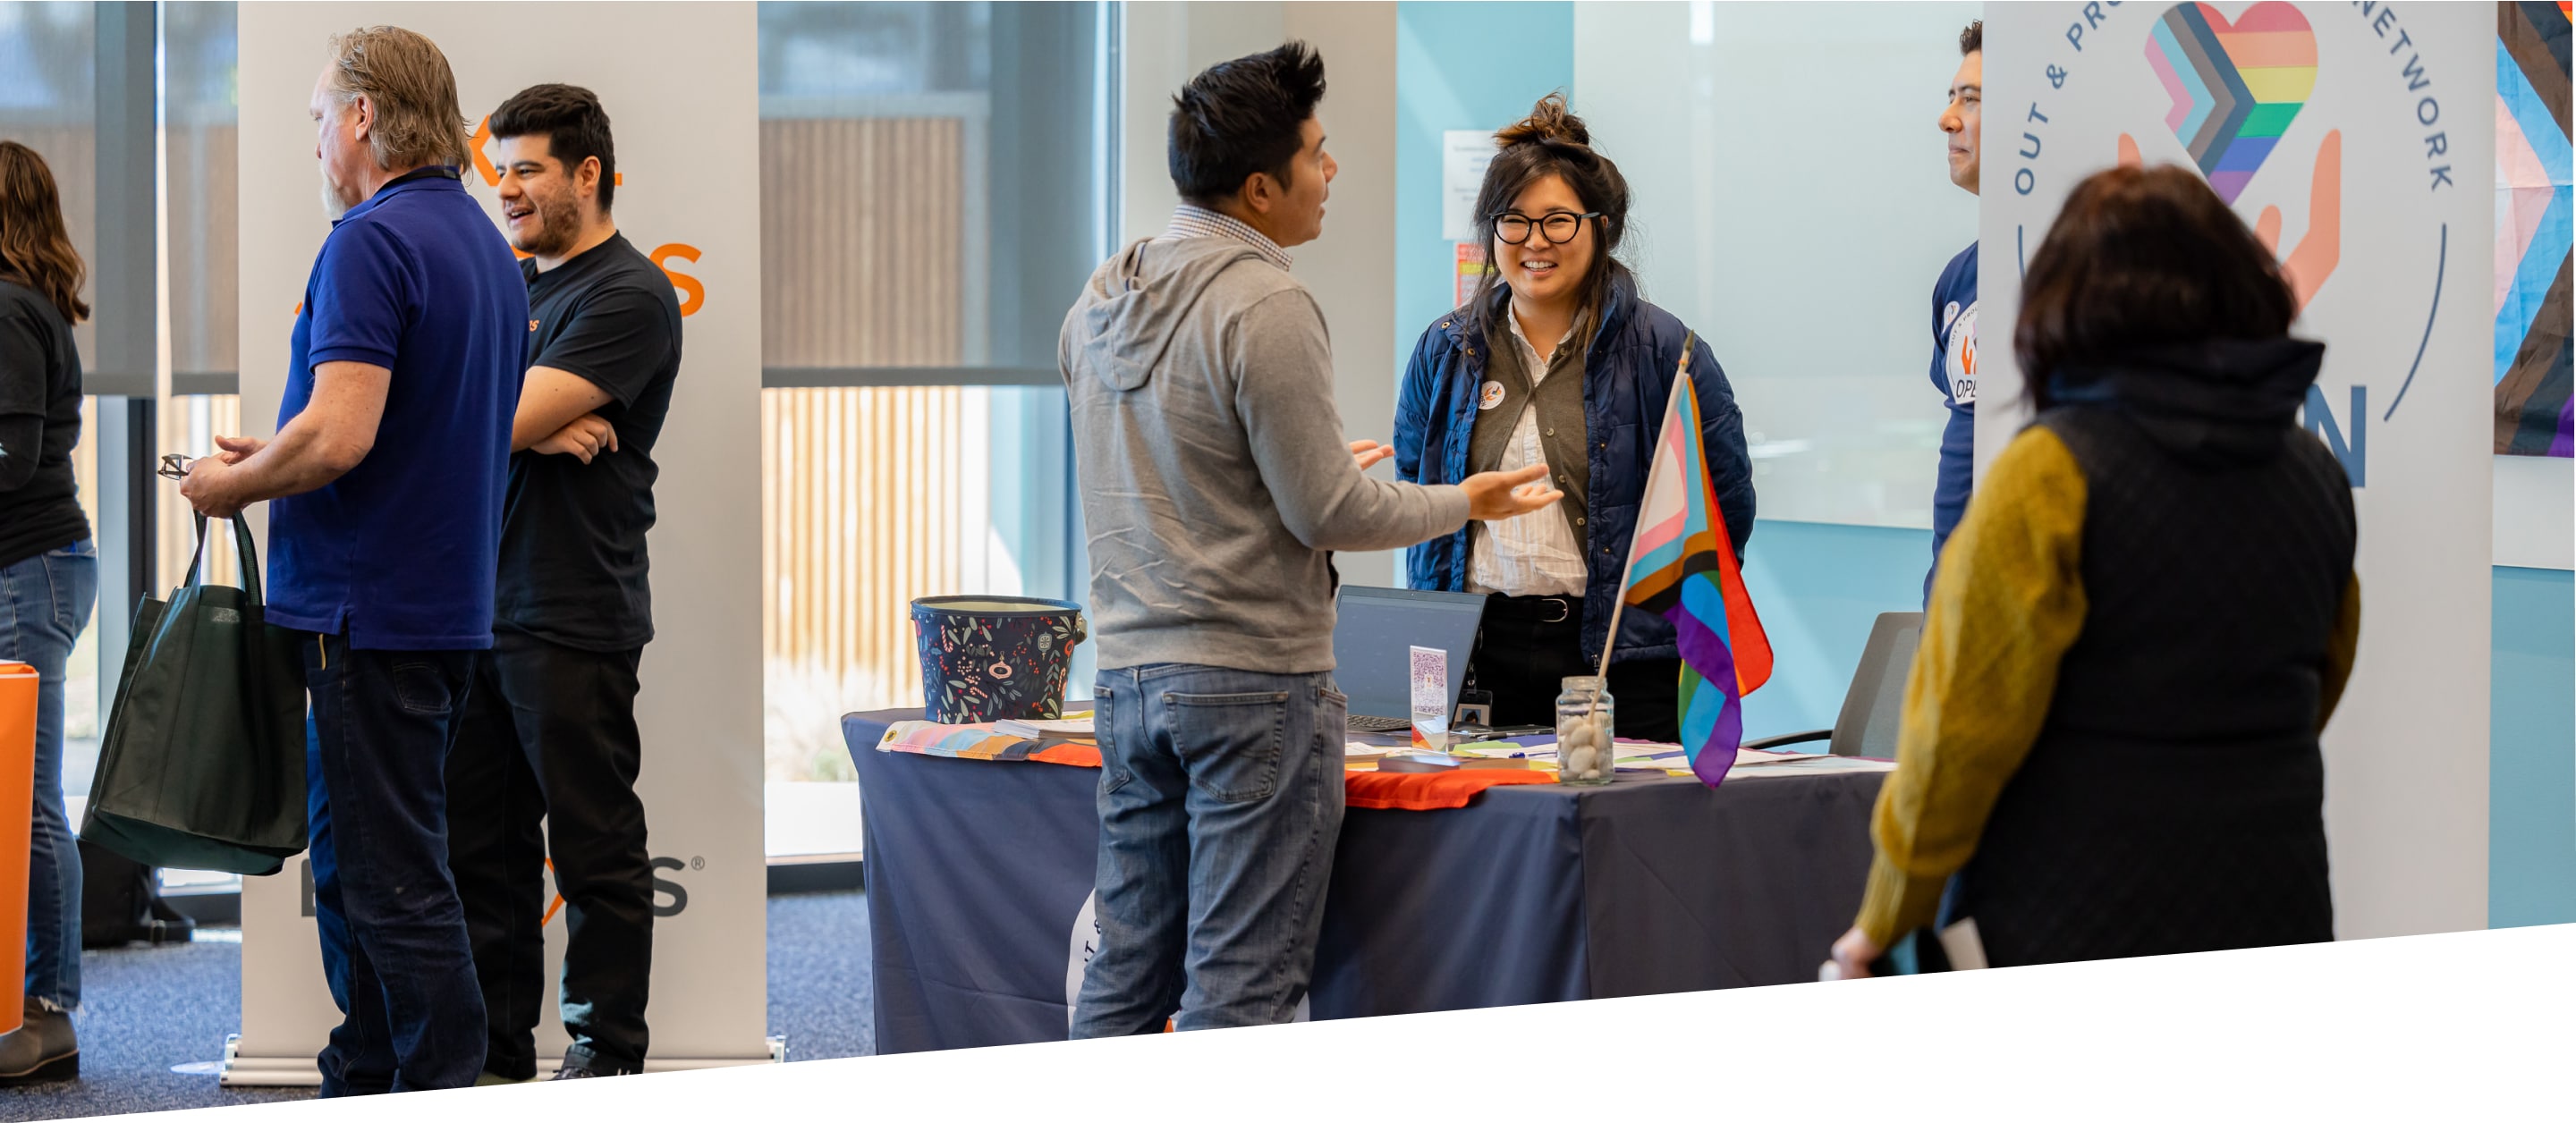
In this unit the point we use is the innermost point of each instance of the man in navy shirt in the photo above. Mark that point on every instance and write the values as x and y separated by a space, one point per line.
386 474
1954 308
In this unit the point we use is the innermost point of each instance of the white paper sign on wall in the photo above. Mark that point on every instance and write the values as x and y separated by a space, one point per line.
1463 156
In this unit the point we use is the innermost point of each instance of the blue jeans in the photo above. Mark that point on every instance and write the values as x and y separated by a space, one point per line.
44 605
394 948
1220 802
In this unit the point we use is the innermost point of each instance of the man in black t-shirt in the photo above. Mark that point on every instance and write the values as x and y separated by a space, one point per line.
550 730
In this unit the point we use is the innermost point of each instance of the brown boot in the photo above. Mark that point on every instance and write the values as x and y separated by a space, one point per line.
41 1050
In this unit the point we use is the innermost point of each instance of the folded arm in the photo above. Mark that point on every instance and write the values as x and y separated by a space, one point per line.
550 399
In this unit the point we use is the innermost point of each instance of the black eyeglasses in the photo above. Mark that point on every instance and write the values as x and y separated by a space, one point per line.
1556 228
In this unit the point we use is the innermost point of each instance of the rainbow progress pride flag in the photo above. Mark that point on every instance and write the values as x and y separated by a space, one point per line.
1683 568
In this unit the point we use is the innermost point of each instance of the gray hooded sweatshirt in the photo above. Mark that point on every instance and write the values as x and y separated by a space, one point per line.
1214 474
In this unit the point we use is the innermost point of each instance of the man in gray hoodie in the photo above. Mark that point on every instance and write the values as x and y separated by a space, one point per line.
1215 484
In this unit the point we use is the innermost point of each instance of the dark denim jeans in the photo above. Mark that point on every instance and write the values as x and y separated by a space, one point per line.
1220 802
393 934
545 762
44 604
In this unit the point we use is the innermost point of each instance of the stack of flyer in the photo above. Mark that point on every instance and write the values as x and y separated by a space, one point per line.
1070 727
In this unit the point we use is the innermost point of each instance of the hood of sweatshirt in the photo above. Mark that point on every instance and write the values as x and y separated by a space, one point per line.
2218 402
1136 302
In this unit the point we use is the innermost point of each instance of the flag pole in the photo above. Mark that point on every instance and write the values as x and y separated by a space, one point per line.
1681 385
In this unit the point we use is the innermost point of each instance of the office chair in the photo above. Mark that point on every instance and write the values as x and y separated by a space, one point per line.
1875 704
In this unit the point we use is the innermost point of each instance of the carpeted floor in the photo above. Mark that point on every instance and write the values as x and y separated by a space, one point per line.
144 1010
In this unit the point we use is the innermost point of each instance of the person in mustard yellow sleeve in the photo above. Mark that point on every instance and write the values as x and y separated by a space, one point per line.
2143 622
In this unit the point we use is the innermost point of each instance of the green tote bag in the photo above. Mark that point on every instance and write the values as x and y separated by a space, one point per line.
202 767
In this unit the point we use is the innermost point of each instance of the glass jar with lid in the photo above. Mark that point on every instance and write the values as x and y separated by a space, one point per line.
1584 721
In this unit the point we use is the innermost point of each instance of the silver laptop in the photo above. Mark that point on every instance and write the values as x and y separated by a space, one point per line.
1374 634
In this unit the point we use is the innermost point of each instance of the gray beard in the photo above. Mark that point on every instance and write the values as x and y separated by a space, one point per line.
332 207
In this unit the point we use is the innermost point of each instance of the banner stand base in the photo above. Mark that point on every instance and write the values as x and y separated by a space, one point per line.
299 1072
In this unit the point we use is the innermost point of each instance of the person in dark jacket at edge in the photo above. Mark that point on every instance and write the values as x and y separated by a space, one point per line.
1556 360
2139 631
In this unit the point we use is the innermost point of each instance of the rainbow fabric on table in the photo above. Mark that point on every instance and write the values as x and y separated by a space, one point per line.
1682 567
2235 87
980 742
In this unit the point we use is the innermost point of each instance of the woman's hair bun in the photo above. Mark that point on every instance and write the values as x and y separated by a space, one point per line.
1548 121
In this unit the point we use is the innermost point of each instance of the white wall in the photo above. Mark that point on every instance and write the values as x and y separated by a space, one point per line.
680 82
1792 204
2535 512
1351 269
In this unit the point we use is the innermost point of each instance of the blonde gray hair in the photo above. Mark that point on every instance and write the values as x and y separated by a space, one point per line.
407 79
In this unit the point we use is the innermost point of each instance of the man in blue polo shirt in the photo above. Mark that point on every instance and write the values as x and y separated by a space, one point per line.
1954 308
387 473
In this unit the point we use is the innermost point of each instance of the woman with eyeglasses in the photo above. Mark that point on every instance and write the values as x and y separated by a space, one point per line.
1556 360
48 579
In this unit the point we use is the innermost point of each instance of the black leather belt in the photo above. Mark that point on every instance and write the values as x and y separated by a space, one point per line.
1540 610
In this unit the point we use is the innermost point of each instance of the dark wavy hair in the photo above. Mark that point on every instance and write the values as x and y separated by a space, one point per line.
35 250
575 125
2139 259
1243 117
1554 142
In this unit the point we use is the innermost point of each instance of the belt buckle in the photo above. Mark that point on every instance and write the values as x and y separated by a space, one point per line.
1564 611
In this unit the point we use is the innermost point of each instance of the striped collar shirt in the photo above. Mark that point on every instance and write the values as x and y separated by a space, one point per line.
1199 222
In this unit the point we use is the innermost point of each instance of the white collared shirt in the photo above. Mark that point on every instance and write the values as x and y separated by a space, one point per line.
1190 221
1537 554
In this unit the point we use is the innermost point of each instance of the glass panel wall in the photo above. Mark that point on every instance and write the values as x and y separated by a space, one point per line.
915 438
49 102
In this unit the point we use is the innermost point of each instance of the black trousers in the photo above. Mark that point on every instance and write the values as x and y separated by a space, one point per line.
1529 646
549 736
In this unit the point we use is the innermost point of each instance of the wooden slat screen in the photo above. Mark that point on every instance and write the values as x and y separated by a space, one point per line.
862 498
175 526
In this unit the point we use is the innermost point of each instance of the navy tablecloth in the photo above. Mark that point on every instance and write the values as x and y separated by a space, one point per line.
977 872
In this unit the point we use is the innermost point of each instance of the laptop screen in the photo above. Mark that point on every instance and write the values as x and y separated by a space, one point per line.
1375 632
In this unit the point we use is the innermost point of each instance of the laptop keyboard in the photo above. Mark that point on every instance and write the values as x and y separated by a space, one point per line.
1380 724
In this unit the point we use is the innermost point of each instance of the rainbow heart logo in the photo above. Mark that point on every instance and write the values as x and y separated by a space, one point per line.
2235 87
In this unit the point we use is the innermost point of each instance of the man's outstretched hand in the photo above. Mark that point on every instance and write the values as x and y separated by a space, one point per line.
1368 453
1503 495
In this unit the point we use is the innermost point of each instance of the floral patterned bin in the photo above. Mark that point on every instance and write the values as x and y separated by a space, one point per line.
990 658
